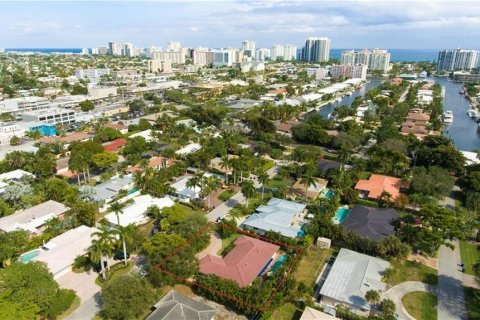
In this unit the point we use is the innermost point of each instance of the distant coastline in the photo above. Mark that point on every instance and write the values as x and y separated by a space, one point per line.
396 54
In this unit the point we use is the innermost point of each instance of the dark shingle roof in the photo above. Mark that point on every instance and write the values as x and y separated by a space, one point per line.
325 165
372 223
176 306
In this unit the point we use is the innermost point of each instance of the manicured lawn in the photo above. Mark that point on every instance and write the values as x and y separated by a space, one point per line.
472 300
421 305
470 255
410 271
311 264
277 181
267 165
226 242
288 311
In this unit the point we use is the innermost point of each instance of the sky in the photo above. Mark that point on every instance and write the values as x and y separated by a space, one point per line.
411 24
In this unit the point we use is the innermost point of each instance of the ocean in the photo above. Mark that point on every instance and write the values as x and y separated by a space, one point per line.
396 54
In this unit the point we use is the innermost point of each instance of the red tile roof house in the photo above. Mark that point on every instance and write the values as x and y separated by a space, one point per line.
377 184
154 162
243 263
115 145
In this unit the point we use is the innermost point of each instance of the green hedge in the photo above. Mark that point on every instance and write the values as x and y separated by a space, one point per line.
367 203
62 302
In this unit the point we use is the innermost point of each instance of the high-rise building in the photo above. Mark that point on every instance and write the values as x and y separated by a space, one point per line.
128 50
263 54
248 47
172 56
2 50
374 59
203 57
379 60
458 59
289 52
85 51
277 52
100 50
222 58
316 49
92 75
115 49
157 65
358 71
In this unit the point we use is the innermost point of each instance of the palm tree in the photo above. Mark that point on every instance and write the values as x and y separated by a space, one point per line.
193 183
308 180
102 246
211 184
125 233
225 164
263 178
372 297
248 190
117 208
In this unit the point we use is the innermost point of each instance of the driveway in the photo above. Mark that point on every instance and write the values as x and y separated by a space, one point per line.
396 293
88 291
213 248
451 297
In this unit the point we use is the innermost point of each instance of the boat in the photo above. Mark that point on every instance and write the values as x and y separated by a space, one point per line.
462 91
448 116
472 113
349 93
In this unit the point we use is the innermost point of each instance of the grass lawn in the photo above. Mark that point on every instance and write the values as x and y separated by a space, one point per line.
410 271
267 165
470 255
421 305
288 311
277 181
75 305
472 300
227 241
311 264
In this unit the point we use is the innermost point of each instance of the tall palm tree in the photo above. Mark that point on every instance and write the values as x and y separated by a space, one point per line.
117 208
125 233
211 184
193 183
308 180
248 190
102 246
225 164
263 178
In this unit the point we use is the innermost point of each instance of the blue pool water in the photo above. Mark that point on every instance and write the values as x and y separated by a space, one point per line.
329 194
341 214
133 190
279 262
29 256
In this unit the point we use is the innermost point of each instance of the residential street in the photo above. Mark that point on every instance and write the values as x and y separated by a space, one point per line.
87 310
397 292
451 297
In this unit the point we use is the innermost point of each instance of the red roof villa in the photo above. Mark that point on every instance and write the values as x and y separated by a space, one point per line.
248 259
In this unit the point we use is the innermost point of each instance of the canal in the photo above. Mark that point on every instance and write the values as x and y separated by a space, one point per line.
347 100
463 130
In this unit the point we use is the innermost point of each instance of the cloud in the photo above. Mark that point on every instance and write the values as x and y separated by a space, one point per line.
361 23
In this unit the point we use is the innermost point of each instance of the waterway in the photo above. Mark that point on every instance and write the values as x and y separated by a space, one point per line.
347 100
463 130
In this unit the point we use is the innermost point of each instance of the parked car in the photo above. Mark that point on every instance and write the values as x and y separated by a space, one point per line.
119 255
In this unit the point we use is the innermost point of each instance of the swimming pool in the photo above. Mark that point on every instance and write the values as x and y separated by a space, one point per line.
29 256
133 190
279 263
329 194
341 214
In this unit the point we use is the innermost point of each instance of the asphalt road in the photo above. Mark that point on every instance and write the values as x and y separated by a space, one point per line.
451 297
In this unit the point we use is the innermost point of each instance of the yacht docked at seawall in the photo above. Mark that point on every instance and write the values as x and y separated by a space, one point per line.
448 116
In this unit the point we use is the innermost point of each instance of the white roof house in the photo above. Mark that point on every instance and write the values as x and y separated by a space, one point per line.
471 157
136 212
14 175
282 216
146 134
60 252
189 148
350 277
182 192
32 218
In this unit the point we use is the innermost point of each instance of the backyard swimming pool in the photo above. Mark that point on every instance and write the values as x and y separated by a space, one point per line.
341 214
29 256
329 194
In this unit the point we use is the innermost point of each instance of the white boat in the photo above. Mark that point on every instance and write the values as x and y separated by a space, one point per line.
349 93
448 116
472 113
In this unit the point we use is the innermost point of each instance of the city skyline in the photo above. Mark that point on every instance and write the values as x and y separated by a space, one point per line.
350 24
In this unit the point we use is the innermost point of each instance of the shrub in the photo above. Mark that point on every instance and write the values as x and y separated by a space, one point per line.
62 302
82 262
368 203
